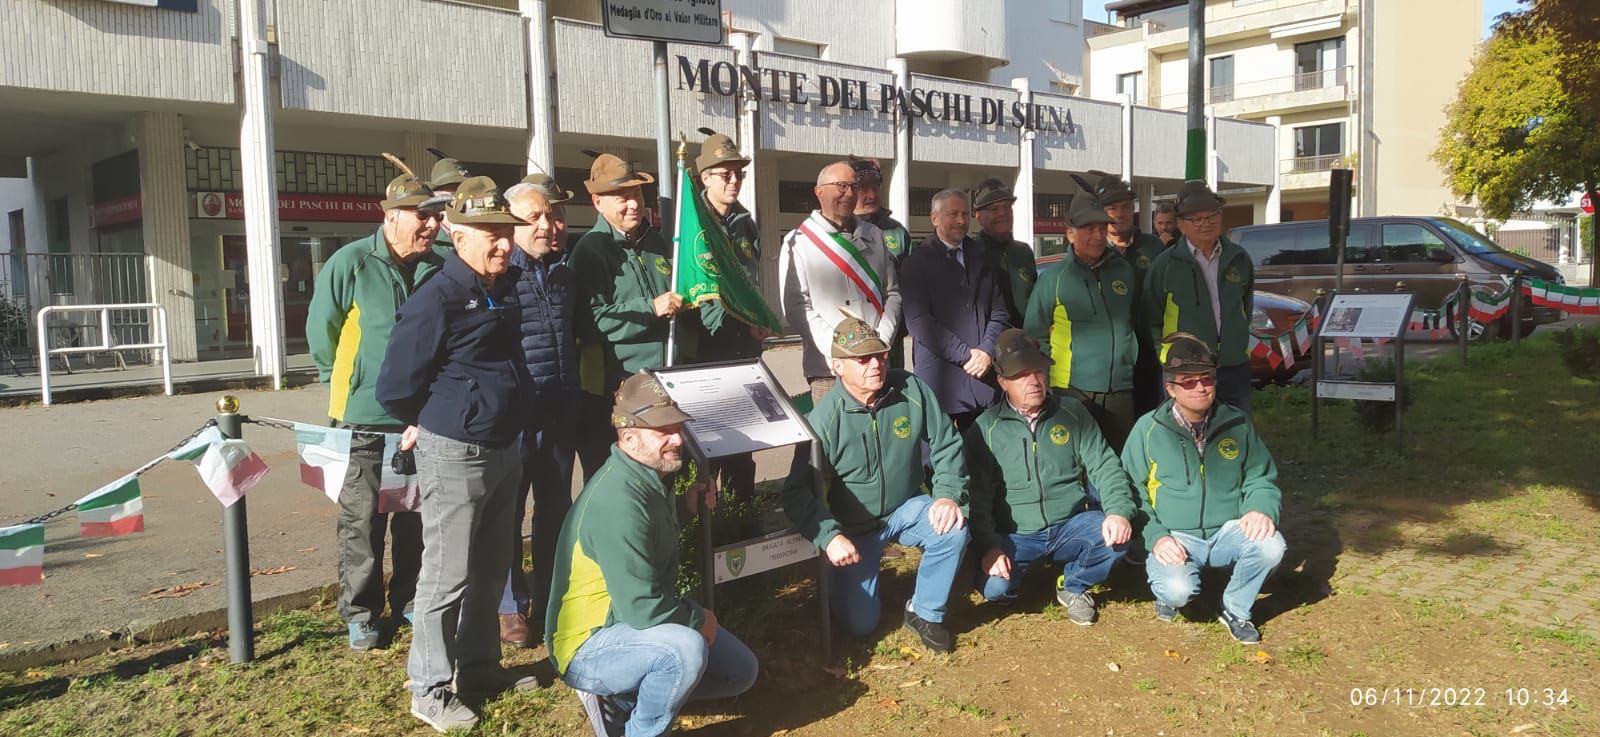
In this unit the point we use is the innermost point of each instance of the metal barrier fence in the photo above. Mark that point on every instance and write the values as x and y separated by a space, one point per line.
30 282
1552 239
106 343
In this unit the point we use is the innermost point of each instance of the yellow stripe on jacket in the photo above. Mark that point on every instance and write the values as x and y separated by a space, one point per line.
1151 484
584 607
1169 324
1061 347
344 363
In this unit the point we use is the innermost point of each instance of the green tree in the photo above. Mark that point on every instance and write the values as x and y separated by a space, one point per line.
1514 133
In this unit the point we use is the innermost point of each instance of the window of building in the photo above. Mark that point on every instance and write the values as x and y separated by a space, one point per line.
794 47
1319 64
1318 147
14 283
1222 79
796 197
1131 85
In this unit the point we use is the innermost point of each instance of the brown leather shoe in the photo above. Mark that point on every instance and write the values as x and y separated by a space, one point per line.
514 630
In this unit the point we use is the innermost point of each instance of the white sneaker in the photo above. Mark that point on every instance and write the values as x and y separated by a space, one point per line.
441 710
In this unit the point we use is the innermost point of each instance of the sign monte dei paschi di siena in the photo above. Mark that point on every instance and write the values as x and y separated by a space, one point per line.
728 79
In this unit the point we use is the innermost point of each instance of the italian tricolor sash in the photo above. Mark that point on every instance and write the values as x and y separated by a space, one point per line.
845 257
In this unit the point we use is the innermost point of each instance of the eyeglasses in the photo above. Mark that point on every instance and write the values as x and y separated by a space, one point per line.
843 187
871 358
1212 219
729 175
1195 382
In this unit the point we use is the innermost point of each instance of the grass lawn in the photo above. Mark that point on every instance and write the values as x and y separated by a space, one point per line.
1382 600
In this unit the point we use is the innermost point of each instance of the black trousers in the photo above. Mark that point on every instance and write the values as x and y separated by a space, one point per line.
359 537
549 455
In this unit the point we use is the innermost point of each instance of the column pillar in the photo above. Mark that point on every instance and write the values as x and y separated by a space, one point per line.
541 129
900 179
1212 173
1127 139
1147 216
256 145
1022 228
414 150
1275 190
164 200
746 108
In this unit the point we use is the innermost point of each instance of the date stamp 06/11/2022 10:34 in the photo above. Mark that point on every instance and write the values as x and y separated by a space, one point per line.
1464 696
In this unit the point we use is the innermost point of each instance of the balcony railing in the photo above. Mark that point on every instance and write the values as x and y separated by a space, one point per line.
1326 79
1312 164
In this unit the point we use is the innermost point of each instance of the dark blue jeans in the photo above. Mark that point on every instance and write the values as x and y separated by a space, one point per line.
1075 542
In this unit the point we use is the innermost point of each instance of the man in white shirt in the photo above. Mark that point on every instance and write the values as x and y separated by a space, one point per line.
835 260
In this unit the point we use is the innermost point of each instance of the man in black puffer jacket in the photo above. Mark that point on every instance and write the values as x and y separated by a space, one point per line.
548 293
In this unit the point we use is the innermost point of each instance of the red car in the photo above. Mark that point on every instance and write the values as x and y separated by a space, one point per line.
1275 316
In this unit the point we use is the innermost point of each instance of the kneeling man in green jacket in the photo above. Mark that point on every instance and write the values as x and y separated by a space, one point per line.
1029 455
872 425
1208 489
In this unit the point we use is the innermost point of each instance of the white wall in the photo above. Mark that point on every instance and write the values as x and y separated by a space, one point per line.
854 31
1041 30
118 49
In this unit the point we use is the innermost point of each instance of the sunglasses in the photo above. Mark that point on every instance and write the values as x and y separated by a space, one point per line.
729 175
425 216
871 358
1195 382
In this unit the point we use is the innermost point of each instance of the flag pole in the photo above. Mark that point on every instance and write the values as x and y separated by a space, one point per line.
677 251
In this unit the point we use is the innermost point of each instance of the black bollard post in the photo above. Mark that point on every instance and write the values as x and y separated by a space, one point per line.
1463 308
1516 309
236 551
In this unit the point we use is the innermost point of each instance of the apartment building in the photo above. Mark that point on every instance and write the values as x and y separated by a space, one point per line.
1360 84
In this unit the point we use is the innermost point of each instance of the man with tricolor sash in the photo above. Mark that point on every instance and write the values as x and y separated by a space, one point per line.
348 324
836 260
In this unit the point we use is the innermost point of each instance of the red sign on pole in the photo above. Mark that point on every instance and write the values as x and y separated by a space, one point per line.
1586 205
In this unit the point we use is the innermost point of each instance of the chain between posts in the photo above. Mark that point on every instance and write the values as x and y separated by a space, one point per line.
47 516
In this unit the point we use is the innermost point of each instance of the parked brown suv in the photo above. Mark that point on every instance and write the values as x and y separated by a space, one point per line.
1425 253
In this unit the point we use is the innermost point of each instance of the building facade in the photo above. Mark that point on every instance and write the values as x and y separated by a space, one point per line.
121 138
1359 84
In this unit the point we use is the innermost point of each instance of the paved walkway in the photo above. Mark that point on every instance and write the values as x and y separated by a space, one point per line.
100 590
105 379
1530 581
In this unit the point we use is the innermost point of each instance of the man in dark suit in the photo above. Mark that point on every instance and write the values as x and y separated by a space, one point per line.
954 311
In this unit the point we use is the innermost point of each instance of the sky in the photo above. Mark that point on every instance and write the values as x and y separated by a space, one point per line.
1095 10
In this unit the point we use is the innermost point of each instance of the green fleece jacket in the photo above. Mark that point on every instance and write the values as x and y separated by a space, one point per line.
1015 261
616 560
619 282
872 458
1084 320
352 311
1142 254
1024 480
1196 488
895 236
1176 298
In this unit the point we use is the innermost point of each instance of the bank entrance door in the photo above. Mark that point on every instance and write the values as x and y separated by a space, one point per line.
302 258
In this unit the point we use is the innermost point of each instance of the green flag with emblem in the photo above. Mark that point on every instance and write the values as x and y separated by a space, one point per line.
706 265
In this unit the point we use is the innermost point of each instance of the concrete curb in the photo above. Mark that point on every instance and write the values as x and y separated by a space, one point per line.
145 632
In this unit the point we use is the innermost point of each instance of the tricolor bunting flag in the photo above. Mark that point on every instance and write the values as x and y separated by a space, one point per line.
324 457
197 445
229 469
114 509
22 555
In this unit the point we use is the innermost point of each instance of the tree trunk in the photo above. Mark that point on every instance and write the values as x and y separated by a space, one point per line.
1594 233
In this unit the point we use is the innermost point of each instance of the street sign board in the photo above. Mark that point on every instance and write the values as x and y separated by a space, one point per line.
681 21
1586 204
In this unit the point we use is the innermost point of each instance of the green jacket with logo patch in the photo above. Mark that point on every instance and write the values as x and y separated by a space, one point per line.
1176 298
1085 320
352 311
1142 254
619 282
1194 489
895 236
1015 261
616 560
1024 480
873 459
